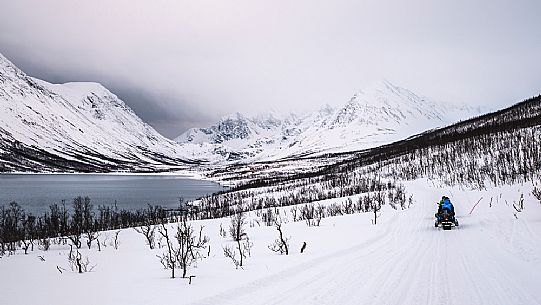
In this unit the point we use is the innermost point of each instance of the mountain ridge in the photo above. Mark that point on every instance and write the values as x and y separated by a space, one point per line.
380 113
81 122
82 126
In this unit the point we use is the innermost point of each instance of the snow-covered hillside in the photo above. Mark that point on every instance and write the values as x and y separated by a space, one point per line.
379 114
492 258
81 121
85 127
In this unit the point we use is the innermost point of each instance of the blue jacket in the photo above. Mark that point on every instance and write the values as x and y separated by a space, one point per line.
446 204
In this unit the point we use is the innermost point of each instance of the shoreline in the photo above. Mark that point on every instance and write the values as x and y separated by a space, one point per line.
186 174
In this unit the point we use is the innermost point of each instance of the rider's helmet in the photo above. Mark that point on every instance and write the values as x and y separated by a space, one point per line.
442 200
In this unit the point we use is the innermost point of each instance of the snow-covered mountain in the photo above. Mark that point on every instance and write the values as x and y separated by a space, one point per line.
379 114
76 122
85 127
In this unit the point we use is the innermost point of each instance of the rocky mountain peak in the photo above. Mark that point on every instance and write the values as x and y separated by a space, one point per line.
380 113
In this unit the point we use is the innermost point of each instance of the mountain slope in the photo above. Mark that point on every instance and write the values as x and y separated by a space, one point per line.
380 114
79 126
85 127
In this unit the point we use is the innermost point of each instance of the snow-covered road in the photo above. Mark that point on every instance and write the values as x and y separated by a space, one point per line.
490 259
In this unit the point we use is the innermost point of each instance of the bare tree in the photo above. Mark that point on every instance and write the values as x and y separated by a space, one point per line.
223 233
247 246
190 245
45 244
25 245
294 211
91 236
537 192
169 258
236 230
12 228
243 248
148 231
312 214
81 220
116 241
75 240
518 206
320 214
308 213
375 206
28 232
77 262
281 244
348 206
231 253
270 216
186 251
238 221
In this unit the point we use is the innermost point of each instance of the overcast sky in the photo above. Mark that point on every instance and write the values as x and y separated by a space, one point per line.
185 63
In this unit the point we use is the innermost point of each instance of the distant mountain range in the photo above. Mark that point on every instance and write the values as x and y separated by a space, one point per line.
84 127
76 127
380 114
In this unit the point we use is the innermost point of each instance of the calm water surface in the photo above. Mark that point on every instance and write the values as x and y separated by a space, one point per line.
36 192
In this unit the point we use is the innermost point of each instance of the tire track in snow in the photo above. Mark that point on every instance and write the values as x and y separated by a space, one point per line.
308 272
410 262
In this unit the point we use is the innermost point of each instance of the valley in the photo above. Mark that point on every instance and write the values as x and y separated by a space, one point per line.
331 207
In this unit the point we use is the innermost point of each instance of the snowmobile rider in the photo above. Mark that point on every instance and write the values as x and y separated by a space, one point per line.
445 203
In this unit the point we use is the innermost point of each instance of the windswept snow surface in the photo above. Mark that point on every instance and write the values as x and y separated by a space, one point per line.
491 258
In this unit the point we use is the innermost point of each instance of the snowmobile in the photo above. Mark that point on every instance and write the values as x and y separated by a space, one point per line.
446 219
445 215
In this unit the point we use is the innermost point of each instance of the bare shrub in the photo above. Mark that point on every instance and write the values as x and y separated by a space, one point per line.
75 240
187 249
237 232
308 213
230 252
281 244
348 206
91 235
375 204
190 245
518 206
294 212
269 216
537 192
149 232
334 210
238 221
320 213
223 233
78 263
247 246
116 241
45 244
169 258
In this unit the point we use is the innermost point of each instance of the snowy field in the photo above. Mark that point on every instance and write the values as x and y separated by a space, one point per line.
493 257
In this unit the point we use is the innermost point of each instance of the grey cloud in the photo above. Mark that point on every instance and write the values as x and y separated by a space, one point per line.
193 61
167 115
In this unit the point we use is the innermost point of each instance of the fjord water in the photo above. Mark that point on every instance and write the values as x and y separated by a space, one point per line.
36 192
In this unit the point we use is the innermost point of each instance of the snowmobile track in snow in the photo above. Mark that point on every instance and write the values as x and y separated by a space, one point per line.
408 262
